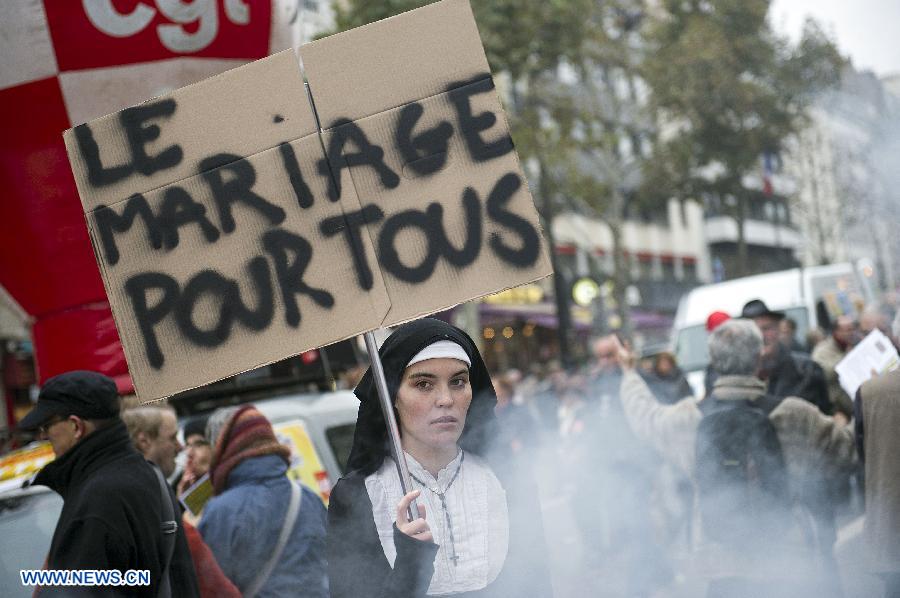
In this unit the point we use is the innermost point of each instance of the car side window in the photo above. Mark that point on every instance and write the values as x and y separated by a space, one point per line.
340 438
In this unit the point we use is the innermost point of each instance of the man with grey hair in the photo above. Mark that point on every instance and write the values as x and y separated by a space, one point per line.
811 444
877 419
154 433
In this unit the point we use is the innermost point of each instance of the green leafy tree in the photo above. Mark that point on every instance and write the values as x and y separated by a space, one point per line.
727 89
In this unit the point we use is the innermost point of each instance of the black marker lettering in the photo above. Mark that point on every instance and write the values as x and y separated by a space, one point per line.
261 317
427 152
472 125
529 251
139 134
228 293
387 250
179 209
301 189
238 188
367 154
148 317
350 224
98 175
289 272
468 253
212 283
109 222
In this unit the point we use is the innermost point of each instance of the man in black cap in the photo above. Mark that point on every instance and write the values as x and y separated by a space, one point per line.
114 516
787 373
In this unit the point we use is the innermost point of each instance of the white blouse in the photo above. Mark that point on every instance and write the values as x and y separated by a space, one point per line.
477 505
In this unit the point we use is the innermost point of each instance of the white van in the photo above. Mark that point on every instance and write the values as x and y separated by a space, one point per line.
839 288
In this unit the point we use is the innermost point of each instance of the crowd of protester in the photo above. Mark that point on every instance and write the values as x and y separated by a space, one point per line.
772 409
750 478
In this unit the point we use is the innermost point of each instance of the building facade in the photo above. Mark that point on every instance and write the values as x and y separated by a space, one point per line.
846 165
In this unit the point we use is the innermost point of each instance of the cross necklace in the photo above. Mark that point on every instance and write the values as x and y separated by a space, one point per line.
453 556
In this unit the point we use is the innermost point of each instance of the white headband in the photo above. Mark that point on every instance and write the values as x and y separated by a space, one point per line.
440 349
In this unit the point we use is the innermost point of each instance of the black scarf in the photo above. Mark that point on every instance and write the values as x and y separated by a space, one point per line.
88 455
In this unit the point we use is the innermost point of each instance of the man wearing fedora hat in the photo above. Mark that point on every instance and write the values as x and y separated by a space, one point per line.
114 516
786 373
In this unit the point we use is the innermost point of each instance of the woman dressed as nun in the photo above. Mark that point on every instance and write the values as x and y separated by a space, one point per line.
479 531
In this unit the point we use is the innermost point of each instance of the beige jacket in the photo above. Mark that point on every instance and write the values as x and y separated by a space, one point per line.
881 436
827 354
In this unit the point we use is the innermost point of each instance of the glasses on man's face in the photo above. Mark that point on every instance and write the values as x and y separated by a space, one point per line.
45 427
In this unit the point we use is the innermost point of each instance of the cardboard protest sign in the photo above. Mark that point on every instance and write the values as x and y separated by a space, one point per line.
233 231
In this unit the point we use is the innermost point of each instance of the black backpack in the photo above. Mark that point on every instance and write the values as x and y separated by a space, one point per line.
742 480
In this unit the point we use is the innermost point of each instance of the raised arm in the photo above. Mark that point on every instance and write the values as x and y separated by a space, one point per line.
670 429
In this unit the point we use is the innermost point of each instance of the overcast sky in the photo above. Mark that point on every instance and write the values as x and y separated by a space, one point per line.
866 30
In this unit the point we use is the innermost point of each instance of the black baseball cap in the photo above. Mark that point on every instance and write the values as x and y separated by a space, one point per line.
89 395
757 309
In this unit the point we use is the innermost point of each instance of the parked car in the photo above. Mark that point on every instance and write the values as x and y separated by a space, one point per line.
27 519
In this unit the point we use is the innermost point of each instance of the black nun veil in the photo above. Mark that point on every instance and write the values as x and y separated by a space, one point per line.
370 441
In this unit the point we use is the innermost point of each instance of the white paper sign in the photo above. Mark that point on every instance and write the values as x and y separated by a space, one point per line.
875 355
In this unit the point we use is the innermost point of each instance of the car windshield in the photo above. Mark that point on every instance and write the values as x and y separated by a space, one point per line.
27 522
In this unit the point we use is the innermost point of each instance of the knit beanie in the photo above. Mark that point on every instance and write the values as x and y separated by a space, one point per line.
716 319
216 422
246 434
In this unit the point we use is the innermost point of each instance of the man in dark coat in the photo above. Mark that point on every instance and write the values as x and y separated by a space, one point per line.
787 373
113 513
792 374
154 433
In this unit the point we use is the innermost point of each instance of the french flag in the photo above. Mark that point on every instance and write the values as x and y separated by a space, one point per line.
768 172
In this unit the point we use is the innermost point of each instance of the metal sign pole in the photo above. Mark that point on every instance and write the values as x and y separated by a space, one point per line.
387 409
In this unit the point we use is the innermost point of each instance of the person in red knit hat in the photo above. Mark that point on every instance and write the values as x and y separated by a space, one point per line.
266 531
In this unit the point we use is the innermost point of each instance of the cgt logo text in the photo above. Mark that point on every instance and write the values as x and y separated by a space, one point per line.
193 25
84 577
